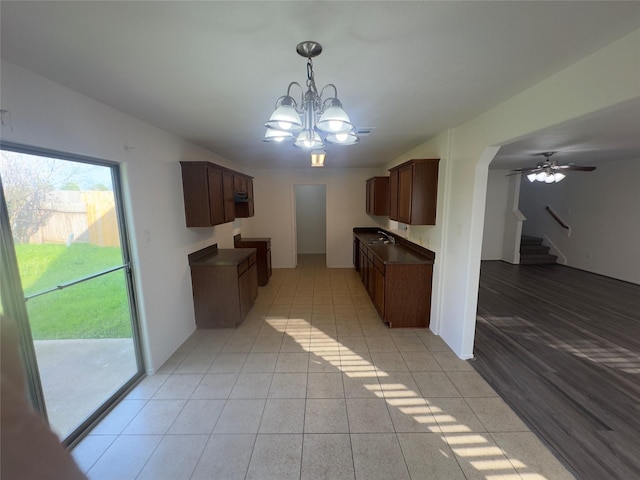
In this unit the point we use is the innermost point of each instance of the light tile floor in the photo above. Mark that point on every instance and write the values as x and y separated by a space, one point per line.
312 385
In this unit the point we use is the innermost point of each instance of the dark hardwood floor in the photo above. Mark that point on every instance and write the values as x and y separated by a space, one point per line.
562 347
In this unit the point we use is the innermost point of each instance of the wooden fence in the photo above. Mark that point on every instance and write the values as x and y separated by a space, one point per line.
88 217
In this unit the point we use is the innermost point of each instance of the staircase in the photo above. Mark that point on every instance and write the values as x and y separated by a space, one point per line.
533 252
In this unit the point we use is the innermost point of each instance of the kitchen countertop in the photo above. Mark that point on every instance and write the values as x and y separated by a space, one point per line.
403 252
212 256
254 239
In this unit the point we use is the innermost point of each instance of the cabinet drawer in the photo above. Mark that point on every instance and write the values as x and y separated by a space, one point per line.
243 267
378 264
252 259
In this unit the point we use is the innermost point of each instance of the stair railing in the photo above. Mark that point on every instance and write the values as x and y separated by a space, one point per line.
559 220
554 250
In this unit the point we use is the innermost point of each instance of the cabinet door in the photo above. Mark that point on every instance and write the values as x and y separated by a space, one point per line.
370 194
244 287
248 289
425 192
227 192
356 253
378 291
268 257
238 184
364 274
393 195
216 199
195 190
371 278
244 209
250 196
405 185
380 199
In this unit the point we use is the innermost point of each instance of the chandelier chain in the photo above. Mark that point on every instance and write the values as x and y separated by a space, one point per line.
309 70
311 81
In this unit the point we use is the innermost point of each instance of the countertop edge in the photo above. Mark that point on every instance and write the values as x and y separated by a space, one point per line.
220 257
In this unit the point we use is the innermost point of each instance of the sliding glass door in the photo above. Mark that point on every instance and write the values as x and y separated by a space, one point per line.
76 309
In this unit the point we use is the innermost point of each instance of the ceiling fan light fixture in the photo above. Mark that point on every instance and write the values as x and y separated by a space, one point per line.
549 171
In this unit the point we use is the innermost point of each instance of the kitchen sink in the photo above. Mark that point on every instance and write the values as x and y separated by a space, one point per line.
378 241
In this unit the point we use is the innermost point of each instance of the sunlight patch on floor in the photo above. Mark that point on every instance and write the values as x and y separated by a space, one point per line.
489 460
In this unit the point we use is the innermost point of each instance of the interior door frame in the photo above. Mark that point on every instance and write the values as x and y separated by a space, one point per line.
294 221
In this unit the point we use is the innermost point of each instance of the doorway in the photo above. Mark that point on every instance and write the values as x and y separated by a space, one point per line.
311 219
71 292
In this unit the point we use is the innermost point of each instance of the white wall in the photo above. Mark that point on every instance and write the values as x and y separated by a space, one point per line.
47 115
274 215
513 224
603 210
502 218
311 218
603 79
496 212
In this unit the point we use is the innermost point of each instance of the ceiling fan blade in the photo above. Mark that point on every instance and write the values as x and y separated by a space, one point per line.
527 170
576 168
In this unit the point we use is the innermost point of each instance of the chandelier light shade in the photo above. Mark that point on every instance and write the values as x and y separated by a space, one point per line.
334 119
309 139
285 116
317 118
347 138
273 135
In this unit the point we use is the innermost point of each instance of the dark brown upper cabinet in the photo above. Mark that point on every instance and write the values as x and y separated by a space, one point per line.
210 194
243 195
413 192
378 196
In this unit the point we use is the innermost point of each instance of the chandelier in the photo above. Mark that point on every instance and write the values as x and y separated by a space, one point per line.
317 118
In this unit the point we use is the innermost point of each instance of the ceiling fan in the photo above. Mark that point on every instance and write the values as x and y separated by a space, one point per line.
549 171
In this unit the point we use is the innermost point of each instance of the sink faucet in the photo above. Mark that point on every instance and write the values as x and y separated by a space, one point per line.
390 238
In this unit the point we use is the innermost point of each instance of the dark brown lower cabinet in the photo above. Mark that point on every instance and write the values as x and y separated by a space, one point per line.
408 301
398 280
225 285
263 251
379 288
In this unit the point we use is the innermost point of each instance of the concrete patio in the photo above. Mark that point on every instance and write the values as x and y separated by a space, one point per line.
79 375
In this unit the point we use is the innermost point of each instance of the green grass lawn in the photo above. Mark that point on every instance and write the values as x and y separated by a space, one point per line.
97 308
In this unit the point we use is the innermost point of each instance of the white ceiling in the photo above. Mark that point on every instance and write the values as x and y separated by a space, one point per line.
211 72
